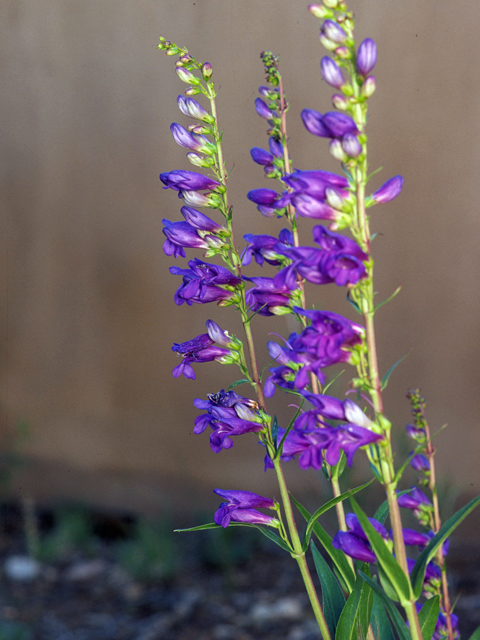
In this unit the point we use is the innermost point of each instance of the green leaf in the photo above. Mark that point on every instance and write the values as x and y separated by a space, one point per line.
380 304
333 599
428 617
266 532
418 571
328 505
385 378
355 617
338 557
381 626
288 429
327 386
385 558
390 608
237 382
476 634
274 538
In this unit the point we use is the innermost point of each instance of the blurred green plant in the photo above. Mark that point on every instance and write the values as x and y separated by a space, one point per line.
72 531
10 630
151 553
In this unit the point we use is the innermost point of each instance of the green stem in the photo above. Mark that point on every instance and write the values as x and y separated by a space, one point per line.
299 554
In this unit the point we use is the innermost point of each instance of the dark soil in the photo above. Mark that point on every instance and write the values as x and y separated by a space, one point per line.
113 585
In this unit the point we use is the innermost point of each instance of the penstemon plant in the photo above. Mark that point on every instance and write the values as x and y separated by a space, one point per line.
370 573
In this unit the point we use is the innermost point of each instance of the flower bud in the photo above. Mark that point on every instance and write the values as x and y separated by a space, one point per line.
207 70
320 11
333 198
196 199
343 52
331 4
199 129
331 73
340 102
328 44
366 56
187 76
276 147
200 161
336 150
334 32
369 86
217 334
193 109
262 109
351 145
193 91
388 191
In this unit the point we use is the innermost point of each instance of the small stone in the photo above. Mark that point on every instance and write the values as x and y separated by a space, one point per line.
21 568
85 570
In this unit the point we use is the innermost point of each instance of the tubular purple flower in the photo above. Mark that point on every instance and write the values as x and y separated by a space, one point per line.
266 298
310 207
333 32
199 349
204 282
187 180
197 199
276 147
353 546
351 145
331 73
202 222
241 507
260 156
182 234
416 433
414 538
366 56
389 190
262 109
262 248
338 124
332 241
414 499
263 196
420 463
188 140
193 109
313 122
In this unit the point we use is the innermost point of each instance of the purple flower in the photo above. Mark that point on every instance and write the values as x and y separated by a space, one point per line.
309 207
276 147
355 542
266 298
413 500
415 538
202 222
228 414
262 109
198 349
351 145
416 433
260 156
204 282
333 32
366 56
420 462
193 109
182 234
261 247
263 196
187 180
332 241
313 122
189 140
338 124
388 191
241 506
315 183
331 73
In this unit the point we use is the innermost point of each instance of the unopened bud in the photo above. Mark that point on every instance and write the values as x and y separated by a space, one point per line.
332 4
333 198
334 32
193 91
336 150
320 11
340 102
200 161
332 73
351 145
343 52
207 70
369 86
328 44
186 76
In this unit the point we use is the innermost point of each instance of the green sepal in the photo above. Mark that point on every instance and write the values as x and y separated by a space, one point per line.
338 557
381 625
428 616
385 558
238 382
380 304
333 600
476 634
355 617
393 614
354 304
418 571
328 505
385 378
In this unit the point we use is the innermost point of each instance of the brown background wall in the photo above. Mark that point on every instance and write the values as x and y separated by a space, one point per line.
87 314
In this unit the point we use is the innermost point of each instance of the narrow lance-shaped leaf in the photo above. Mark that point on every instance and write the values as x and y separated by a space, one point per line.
328 505
338 557
385 378
333 599
355 617
428 617
390 608
381 625
418 571
385 558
